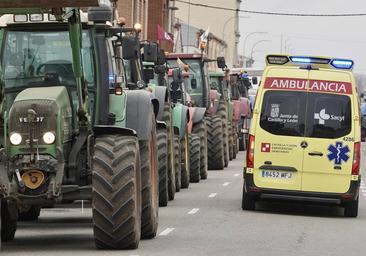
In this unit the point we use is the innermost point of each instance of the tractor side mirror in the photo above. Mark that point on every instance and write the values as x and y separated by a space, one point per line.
150 52
194 83
221 63
148 74
254 80
161 57
130 48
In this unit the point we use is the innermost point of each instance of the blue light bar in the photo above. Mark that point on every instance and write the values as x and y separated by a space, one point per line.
342 64
309 60
300 59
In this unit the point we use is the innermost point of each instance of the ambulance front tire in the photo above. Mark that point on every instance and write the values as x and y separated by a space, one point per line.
351 209
248 201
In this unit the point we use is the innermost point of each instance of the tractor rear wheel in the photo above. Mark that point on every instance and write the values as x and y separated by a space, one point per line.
171 160
194 148
215 143
116 193
201 130
31 214
8 225
163 167
185 166
223 114
178 169
149 184
231 142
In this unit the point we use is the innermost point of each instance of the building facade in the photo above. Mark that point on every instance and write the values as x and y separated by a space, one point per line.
223 24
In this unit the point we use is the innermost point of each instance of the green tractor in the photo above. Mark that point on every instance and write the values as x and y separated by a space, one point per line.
184 117
177 169
220 83
207 101
73 127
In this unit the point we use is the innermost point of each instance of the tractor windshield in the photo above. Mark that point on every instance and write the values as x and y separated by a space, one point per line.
43 58
216 83
195 70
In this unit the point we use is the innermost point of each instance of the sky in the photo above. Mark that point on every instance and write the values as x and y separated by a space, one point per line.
343 37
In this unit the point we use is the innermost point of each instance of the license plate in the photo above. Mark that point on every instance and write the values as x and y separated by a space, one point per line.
276 174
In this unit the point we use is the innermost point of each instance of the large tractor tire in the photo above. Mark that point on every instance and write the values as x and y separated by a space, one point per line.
8 225
171 160
215 146
30 214
231 142
163 167
116 192
201 130
185 159
178 169
194 148
223 114
150 185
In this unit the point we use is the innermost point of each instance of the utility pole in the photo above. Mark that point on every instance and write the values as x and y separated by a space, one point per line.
281 42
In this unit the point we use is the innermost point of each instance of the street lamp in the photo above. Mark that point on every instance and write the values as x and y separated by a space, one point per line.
255 45
245 39
228 20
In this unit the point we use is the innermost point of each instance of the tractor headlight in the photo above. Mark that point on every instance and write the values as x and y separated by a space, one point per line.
49 137
15 138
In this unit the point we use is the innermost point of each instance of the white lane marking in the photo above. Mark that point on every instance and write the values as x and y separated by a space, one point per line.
363 190
212 195
166 231
236 174
193 211
226 184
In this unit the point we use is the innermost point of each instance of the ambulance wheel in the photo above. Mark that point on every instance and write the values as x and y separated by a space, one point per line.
351 209
248 201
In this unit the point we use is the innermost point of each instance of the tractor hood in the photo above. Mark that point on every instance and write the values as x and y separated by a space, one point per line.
36 111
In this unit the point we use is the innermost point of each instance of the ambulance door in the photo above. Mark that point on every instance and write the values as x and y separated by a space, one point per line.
279 132
329 133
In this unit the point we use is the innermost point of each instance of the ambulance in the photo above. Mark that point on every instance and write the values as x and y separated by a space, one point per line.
304 142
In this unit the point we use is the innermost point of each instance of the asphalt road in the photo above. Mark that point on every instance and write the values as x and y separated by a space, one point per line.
207 219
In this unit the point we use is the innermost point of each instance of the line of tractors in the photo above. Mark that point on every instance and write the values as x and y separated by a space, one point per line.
90 112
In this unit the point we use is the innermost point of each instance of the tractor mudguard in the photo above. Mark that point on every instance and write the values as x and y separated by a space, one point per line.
180 119
196 115
161 95
113 130
139 108
214 101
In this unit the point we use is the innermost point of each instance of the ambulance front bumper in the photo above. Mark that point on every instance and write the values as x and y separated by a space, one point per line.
301 196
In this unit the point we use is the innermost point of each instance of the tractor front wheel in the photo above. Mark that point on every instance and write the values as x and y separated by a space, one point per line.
163 167
215 143
116 202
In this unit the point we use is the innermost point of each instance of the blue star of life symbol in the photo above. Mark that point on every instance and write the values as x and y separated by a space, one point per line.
338 153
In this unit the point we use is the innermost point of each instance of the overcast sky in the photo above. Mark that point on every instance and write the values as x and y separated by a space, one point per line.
343 37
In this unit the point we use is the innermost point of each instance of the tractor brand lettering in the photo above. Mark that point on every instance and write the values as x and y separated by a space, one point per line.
36 120
308 85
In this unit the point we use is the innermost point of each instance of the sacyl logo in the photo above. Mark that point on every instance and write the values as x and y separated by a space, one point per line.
322 116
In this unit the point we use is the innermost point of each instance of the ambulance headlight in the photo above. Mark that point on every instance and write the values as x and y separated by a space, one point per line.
49 137
15 138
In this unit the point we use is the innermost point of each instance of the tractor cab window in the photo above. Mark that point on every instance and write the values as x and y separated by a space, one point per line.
43 58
